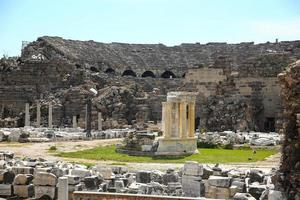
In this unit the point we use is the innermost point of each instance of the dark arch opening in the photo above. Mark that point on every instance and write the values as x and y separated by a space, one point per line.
94 69
129 72
148 74
183 76
168 74
110 71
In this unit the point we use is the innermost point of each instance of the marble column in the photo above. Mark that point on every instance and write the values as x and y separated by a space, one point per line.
168 120
74 121
63 191
38 114
27 115
50 125
182 120
176 120
191 119
99 121
163 114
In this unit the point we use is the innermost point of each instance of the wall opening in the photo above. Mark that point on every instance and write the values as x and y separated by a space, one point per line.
197 123
270 124
148 74
168 74
94 69
129 72
110 71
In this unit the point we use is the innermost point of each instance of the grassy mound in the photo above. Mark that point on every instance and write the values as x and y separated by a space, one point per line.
204 156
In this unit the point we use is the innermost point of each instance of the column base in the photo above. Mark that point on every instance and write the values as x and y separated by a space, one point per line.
176 146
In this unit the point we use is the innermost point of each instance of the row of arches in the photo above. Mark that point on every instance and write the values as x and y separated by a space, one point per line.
129 72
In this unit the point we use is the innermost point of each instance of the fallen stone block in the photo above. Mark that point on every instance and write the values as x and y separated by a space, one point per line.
45 179
222 193
219 181
24 191
72 179
143 176
192 168
256 176
80 172
23 179
256 190
44 192
23 170
6 189
8 177
243 196
191 185
276 195
92 182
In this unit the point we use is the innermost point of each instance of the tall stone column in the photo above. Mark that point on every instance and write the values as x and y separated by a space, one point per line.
50 125
99 121
163 114
168 120
191 119
27 115
63 191
89 118
176 120
74 121
38 114
182 120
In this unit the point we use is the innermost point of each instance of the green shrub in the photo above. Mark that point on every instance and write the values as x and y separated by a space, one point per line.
53 148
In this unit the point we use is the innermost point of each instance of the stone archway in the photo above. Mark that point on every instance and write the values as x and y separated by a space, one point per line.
110 71
148 74
168 74
129 72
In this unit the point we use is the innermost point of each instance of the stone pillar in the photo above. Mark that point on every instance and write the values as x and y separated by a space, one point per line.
27 115
89 118
182 120
50 116
168 120
74 121
38 114
176 120
163 114
191 119
99 121
62 193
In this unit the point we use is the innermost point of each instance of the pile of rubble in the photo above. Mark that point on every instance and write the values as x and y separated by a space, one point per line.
232 138
30 134
42 179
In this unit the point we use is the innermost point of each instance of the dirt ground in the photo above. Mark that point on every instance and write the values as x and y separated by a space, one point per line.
36 150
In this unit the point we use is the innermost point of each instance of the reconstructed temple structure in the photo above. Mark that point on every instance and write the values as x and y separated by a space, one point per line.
178 125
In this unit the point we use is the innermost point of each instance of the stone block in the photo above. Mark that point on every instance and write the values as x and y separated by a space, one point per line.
119 185
44 192
92 182
8 177
24 191
276 195
45 179
23 179
243 196
192 168
23 170
207 172
219 181
6 189
72 179
143 176
210 191
191 185
233 190
256 190
222 193
256 176
80 172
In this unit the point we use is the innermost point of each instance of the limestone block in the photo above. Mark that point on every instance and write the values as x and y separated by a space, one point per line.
146 148
119 185
23 179
5 190
233 190
219 181
45 179
243 196
223 193
24 191
62 188
192 168
72 179
191 185
276 195
92 182
8 177
256 190
23 170
210 191
143 176
80 172
43 191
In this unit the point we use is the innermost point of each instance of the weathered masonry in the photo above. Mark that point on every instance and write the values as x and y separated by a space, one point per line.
236 84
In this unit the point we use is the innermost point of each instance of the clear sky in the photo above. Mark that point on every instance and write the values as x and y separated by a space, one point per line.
170 22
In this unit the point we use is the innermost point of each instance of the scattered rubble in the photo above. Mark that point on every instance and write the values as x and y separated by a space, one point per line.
38 178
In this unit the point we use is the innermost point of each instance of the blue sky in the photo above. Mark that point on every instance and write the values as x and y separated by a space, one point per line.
170 22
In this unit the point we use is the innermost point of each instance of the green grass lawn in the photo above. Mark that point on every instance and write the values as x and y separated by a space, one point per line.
204 156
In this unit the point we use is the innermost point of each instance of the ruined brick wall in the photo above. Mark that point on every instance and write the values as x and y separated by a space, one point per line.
236 83
290 165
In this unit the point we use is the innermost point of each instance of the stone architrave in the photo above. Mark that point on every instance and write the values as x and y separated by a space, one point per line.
50 125
38 114
27 115
74 121
179 125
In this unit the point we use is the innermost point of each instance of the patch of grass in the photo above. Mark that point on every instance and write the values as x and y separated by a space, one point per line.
204 156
